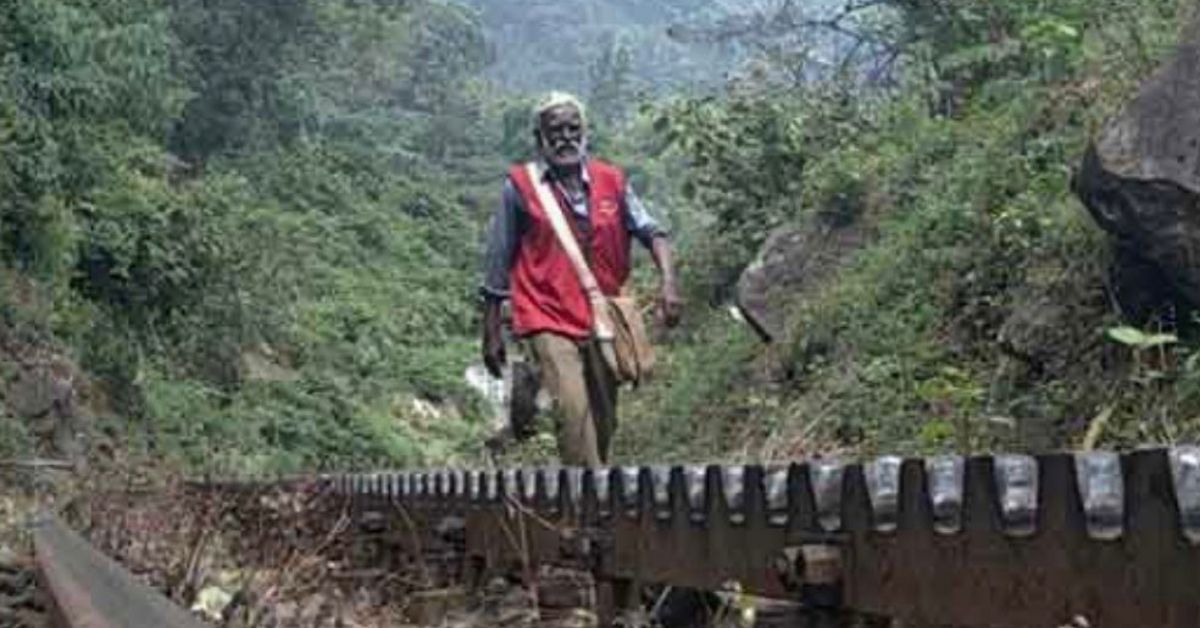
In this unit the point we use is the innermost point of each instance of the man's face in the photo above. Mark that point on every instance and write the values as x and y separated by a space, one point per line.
562 137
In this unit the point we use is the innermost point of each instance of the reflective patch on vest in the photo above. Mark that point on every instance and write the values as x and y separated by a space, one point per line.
607 206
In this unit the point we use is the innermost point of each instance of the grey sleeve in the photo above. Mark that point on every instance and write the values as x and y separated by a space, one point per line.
638 220
503 236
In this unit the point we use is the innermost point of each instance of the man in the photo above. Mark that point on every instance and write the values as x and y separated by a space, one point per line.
526 263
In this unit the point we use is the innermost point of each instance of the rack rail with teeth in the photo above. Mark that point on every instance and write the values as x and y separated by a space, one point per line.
1006 541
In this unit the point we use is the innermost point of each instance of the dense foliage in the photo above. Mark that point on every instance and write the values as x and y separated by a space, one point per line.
255 225
973 312
240 213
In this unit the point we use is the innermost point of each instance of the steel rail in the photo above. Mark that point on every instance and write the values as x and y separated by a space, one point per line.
90 590
1006 541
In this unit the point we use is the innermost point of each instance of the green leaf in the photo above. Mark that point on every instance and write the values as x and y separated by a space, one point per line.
1128 336
1133 337
1161 339
1066 30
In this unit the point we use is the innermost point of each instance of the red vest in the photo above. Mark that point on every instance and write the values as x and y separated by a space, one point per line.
546 294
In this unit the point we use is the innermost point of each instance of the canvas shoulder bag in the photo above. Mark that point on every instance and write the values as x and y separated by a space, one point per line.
617 324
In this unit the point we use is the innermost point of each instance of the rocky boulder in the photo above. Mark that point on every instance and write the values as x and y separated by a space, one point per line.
47 392
1140 179
792 260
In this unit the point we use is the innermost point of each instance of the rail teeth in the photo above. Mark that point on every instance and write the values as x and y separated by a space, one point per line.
1102 489
508 484
1017 485
660 488
551 486
665 492
733 488
629 490
574 486
945 477
474 481
883 489
491 486
459 480
827 492
695 481
776 487
1185 473
440 483
602 480
528 479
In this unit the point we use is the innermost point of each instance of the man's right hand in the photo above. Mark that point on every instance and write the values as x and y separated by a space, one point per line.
494 353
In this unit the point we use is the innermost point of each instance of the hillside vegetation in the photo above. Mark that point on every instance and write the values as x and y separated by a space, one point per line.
975 314
237 217
255 226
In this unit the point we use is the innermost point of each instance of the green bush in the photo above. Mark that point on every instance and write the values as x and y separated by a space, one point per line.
269 294
960 179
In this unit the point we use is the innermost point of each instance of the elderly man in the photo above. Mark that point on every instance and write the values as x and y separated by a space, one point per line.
526 263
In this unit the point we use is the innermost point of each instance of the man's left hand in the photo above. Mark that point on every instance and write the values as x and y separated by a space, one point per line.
670 306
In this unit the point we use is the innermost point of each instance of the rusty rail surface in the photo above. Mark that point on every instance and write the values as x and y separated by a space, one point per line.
1008 541
90 590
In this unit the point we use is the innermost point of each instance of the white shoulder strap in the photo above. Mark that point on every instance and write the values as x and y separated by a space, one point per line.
566 237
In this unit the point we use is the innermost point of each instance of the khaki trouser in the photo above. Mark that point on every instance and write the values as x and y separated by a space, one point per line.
585 396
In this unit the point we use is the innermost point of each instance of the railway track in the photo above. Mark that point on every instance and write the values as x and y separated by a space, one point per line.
86 589
1093 539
